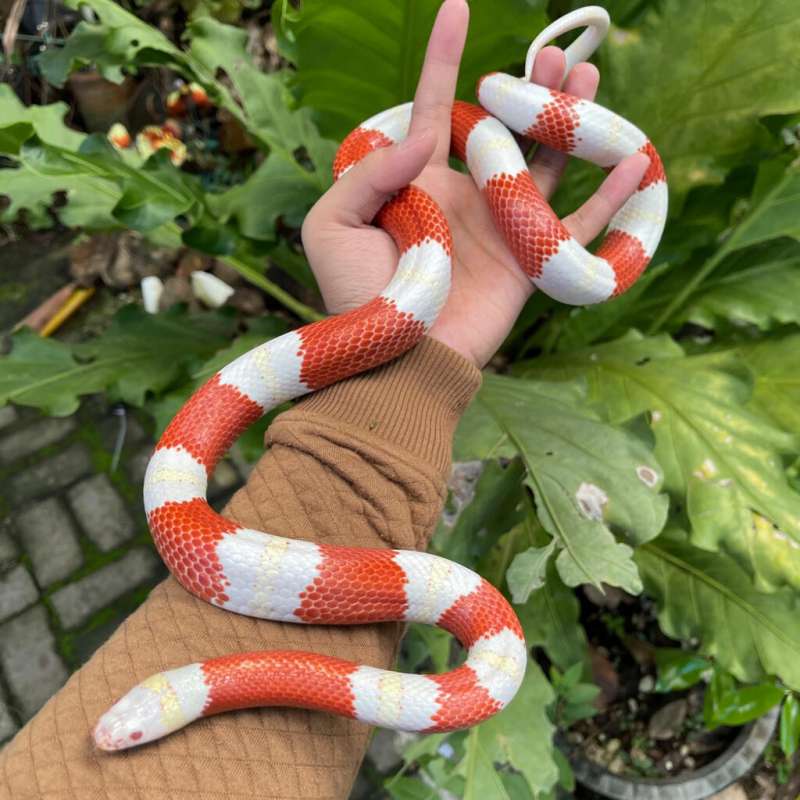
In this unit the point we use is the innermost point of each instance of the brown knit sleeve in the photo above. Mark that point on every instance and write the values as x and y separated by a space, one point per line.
360 463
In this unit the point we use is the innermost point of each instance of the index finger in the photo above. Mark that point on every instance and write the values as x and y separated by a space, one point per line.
436 89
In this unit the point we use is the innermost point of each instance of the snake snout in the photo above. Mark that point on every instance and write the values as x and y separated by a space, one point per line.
129 721
159 705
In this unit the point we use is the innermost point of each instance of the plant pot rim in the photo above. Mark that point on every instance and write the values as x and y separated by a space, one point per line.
728 767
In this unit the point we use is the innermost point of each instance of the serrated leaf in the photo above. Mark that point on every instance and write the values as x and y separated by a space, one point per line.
587 476
110 45
357 58
520 735
720 458
280 187
528 571
139 353
90 201
19 122
707 596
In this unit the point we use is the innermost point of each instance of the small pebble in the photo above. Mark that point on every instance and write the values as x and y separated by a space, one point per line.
617 766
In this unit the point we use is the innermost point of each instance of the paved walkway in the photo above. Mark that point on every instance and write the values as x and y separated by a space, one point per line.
75 553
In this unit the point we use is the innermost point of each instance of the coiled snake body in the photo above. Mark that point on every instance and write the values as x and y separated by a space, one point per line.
258 574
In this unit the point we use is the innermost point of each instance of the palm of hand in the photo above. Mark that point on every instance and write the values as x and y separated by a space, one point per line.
353 261
487 283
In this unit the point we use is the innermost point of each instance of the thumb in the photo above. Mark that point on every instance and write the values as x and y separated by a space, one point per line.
358 195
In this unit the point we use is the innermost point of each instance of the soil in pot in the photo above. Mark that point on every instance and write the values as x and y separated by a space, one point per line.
638 732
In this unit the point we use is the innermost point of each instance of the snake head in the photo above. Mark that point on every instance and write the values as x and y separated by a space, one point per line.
163 703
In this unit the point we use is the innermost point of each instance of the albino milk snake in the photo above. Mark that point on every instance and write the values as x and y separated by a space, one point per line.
261 575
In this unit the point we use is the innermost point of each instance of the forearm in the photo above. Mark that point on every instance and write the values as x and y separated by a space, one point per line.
361 463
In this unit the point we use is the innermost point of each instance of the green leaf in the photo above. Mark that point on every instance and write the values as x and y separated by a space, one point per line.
90 200
775 364
772 214
139 353
709 597
357 57
790 725
587 477
145 197
491 512
113 43
679 669
733 67
528 571
550 619
280 187
19 122
520 736
728 704
721 459
764 294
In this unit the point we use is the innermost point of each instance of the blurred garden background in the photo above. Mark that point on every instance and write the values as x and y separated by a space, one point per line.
628 473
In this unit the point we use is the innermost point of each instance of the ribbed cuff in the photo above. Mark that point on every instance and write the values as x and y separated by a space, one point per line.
413 402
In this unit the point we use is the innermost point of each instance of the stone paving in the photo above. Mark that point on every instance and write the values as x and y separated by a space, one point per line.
75 554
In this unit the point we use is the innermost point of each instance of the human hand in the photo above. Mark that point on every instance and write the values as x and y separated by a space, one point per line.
353 261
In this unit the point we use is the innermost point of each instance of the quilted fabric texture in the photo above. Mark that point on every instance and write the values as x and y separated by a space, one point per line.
361 463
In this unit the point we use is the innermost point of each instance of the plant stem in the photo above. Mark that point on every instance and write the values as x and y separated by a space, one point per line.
304 312
691 286
250 273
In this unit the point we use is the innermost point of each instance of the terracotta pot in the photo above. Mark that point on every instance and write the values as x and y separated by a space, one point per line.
736 761
101 102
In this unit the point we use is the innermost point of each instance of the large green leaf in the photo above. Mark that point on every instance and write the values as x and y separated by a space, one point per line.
776 366
771 213
521 736
119 40
697 77
90 200
721 459
762 293
707 596
357 57
278 188
139 353
19 122
587 477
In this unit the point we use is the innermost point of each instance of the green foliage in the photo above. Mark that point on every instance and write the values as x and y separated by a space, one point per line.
722 461
707 73
707 596
729 704
106 189
790 725
146 360
356 58
586 476
679 669
679 399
